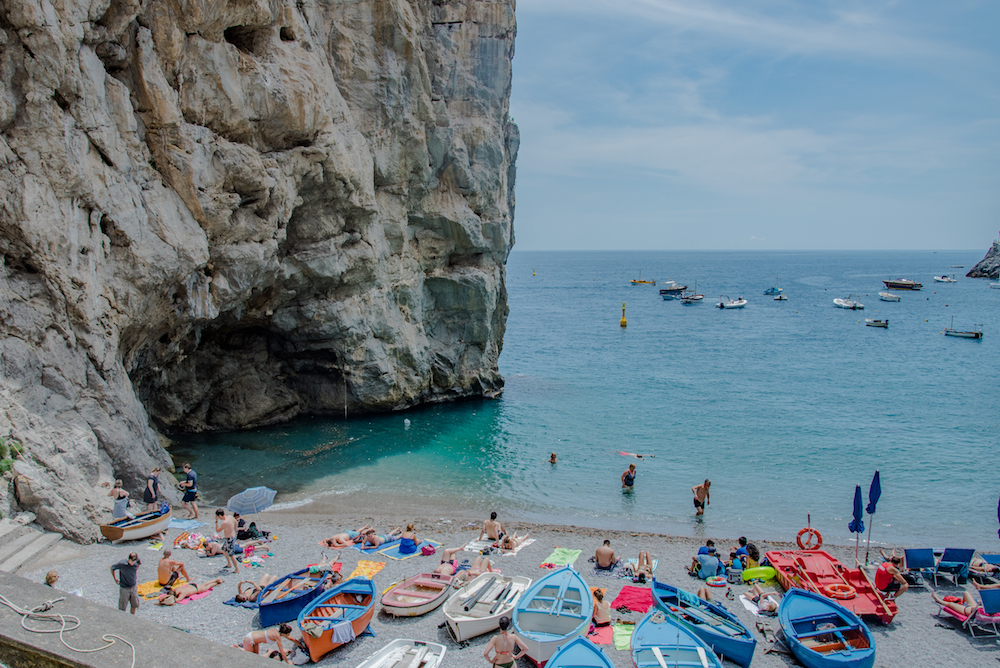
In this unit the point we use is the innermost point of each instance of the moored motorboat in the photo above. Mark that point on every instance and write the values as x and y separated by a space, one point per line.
823 634
140 526
888 297
963 334
781 298
877 323
477 607
553 611
720 629
772 291
579 653
349 603
672 290
283 600
902 284
848 303
945 279
405 653
417 595
660 640
726 302
639 281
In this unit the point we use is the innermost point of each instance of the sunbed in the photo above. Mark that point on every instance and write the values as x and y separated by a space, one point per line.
985 618
954 564
918 562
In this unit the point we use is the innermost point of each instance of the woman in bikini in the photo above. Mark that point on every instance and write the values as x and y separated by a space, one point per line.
511 542
503 646
449 564
253 640
372 540
480 565
643 569
248 591
967 607
766 601
345 539
179 593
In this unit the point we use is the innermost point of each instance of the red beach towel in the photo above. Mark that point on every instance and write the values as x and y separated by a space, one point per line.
637 599
601 636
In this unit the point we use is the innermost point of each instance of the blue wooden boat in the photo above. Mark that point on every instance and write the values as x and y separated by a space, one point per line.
553 611
661 640
579 653
824 634
283 600
720 629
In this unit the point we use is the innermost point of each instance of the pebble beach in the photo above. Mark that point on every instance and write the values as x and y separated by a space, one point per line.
917 637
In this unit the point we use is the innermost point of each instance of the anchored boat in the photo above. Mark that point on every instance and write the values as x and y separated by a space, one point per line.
823 634
902 284
660 640
672 290
349 603
134 528
888 297
726 302
848 303
477 607
553 611
945 279
963 334
877 323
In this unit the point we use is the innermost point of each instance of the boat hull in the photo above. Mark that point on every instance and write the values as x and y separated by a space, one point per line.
352 601
417 595
711 622
464 624
141 526
848 304
963 335
406 652
803 616
658 635
579 653
877 323
283 600
903 284
553 611
888 297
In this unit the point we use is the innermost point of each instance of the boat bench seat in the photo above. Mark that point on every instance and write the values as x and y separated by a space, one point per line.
824 632
416 594
817 646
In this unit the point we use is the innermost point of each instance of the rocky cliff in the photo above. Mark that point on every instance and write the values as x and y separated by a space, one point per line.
989 266
220 214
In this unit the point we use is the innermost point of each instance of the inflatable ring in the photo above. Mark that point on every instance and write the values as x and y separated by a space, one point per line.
809 533
841 591
716 581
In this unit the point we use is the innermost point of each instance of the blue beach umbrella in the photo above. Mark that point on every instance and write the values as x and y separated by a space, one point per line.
857 526
874 493
252 500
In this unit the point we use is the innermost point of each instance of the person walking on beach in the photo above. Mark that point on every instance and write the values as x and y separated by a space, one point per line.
227 525
701 497
151 495
128 582
628 478
190 485
503 646
491 528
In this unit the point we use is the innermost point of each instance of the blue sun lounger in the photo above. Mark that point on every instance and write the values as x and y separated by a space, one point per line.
919 563
954 564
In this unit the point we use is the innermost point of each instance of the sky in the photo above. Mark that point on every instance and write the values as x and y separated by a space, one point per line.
757 124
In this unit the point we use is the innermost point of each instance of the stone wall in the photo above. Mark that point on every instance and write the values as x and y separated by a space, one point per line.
220 215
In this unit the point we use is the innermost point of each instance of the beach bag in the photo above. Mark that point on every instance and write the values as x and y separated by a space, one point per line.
164 508
427 550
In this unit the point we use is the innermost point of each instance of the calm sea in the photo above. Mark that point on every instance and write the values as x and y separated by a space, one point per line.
786 406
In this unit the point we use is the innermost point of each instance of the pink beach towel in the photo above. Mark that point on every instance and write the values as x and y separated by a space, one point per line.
601 636
195 597
638 599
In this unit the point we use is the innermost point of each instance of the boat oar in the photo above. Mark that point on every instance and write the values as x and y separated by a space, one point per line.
479 594
501 598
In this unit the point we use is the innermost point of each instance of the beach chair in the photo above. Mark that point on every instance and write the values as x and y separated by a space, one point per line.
985 618
954 564
919 562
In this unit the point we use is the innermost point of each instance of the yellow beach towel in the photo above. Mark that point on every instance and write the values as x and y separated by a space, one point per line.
152 588
366 569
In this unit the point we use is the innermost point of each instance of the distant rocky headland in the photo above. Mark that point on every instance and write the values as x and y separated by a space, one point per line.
989 266
220 215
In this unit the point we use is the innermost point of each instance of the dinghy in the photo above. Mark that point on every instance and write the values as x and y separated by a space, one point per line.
726 302
848 303
660 640
720 629
579 653
406 654
283 600
349 604
134 528
888 297
417 595
477 607
823 634
884 324
553 611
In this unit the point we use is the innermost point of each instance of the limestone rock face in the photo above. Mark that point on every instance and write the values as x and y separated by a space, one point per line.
219 214
989 266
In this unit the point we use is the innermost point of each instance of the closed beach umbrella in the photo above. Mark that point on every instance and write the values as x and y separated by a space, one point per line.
874 492
857 526
252 500
998 517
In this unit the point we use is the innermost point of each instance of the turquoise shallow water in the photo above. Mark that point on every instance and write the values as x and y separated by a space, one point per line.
784 405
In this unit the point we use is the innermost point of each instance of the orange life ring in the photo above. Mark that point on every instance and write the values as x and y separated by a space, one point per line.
810 533
843 591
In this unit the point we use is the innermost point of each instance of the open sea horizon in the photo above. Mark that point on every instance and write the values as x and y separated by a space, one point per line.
784 405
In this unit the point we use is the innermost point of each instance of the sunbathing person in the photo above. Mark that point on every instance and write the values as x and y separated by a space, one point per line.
642 570
980 566
967 607
766 601
408 540
169 570
449 564
346 538
511 542
248 591
371 539
253 640
480 565
985 586
181 592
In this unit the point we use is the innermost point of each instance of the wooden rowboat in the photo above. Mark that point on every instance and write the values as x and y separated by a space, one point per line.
141 526
404 653
477 607
660 640
417 595
553 611
351 602
823 634
283 600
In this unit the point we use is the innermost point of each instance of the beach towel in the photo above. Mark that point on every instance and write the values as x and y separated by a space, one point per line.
156 547
561 556
635 563
392 551
366 569
195 597
637 599
602 636
480 545
252 605
375 548
152 588
750 605
184 525
623 636
617 572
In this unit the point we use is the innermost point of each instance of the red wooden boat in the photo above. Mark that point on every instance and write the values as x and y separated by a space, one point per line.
817 571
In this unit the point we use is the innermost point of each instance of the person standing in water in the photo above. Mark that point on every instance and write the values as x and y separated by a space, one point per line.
628 478
701 497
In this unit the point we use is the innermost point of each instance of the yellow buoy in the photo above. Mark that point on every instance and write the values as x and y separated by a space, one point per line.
532 271
624 323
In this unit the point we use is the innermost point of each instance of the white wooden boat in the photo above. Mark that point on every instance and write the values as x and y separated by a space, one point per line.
877 323
403 653
945 279
963 334
134 528
848 303
888 297
692 297
417 595
553 611
726 302
477 607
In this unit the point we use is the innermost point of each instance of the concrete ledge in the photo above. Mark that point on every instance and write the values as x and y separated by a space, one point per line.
156 646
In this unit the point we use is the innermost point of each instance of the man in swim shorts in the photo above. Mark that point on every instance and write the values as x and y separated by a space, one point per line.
701 496
491 528
227 525
605 557
628 478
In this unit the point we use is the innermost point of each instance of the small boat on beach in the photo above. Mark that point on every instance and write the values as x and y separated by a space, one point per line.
720 629
477 607
553 611
672 290
660 640
963 334
283 600
417 595
848 303
349 603
405 653
726 302
945 279
877 323
823 634
579 653
134 528
888 297
902 284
